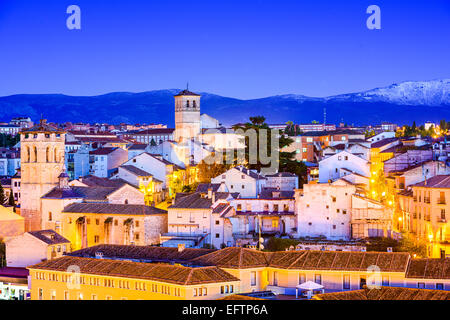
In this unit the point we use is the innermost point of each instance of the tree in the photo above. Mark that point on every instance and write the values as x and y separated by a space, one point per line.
286 161
11 201
2 195
209 169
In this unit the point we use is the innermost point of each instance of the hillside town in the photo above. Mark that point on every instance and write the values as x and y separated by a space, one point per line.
141 211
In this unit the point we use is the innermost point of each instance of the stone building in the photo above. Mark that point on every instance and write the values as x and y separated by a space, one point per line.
42 160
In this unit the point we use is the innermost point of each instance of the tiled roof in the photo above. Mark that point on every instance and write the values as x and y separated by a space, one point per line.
138 270
141 253
203 187
102 151
93 181
383 142
136 171
14 272
138 146
234 258
281 174
42 126
249 172
386 293
49 236
429 269
186 93
220 207
63 193
273 193
194 200
340 260
110 208
440 181
153 131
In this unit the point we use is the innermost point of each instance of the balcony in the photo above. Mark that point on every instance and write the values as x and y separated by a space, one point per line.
441 201
442 220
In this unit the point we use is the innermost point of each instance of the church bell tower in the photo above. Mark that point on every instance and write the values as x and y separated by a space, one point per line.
42 160
187 116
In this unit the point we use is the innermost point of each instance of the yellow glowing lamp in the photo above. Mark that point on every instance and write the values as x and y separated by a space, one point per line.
400 219
383 194
430 236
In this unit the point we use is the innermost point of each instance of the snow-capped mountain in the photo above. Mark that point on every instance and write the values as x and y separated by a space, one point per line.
427 93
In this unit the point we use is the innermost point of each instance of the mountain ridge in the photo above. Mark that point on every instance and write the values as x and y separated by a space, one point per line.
401 103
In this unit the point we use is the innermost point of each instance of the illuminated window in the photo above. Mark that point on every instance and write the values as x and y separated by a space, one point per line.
346 282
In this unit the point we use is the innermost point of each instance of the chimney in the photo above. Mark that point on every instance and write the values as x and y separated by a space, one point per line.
181 247
210 193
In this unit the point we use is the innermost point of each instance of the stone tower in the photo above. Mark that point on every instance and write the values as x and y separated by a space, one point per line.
187 116
42 161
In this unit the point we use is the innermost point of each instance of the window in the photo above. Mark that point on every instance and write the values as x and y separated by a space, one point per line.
217 235
66 295
137 224
253 278
49 216
274 223
385 281
346 282
421 285
96 239
275 278
239 207
275 207
318 278
94 297
41 294
88 220
439 286
97 221
136 236
116 222
217 222
286 208
344 211
301 278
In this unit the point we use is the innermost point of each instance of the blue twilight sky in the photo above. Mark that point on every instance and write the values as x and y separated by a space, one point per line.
238 48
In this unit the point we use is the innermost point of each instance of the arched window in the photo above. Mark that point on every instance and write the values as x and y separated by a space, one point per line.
194 104
28 155
47 154
35 153
187 104
56 155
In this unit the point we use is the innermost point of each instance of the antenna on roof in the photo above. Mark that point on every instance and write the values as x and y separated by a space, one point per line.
187 86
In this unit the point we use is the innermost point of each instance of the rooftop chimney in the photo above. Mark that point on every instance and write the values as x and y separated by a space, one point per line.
181 247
